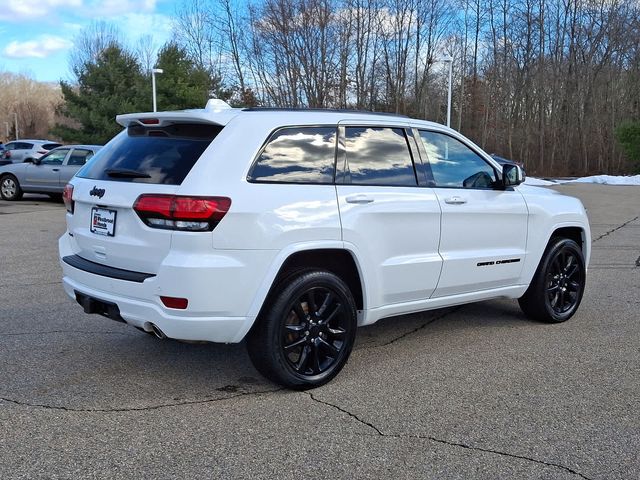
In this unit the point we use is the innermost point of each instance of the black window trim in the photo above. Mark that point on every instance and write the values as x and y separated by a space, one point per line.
344 173
428 163
281 182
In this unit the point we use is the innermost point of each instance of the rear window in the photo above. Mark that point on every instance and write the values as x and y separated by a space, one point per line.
297 155
378 156
50 146
147 154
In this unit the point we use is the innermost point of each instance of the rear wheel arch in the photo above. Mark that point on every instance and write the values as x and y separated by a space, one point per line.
340 262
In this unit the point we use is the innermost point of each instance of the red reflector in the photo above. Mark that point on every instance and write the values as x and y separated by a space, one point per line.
67 196
174 302
149 121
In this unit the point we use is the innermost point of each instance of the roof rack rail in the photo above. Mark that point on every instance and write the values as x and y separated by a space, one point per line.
333 110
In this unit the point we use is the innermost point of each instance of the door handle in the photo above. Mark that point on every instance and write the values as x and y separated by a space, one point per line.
455 200
55 169
359 199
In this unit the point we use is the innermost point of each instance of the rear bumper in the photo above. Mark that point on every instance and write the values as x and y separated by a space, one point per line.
220 293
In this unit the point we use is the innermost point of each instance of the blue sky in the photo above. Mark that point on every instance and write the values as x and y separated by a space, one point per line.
36 35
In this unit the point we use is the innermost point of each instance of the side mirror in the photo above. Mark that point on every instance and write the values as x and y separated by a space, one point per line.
29 160
512 175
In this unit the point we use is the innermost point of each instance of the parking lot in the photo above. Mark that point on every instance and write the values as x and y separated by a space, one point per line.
472 392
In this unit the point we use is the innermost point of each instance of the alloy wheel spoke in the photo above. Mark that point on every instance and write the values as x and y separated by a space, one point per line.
332 315
554 300
329 347
295 328
574 286
568 265
295 344
315 360
573 271
301 366
325 304
299 311
337 333
561 303
311 302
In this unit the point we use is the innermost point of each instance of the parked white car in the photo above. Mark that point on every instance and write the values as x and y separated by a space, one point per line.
291 228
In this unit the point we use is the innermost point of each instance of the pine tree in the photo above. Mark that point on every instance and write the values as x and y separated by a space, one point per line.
182 84
108 85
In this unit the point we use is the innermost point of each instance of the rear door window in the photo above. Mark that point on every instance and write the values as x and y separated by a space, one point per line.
79 157
297 155
378 156
148 154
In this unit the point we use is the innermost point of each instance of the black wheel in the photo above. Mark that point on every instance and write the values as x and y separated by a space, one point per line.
558 284
10 188
305 333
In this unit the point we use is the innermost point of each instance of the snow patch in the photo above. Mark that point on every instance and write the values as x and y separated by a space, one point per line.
538 182
600 179
608 180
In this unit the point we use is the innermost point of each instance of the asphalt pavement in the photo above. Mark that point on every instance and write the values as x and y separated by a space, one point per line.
476 391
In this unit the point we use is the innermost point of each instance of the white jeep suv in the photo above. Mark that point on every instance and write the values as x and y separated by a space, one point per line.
290 228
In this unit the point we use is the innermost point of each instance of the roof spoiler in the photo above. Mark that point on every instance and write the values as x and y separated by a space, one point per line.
222 110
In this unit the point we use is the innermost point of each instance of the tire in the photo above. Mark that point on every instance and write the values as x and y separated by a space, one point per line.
10 188
305 333
556 290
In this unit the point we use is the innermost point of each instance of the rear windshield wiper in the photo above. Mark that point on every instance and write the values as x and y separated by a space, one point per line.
126 173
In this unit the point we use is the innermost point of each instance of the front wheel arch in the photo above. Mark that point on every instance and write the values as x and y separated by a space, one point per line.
561 271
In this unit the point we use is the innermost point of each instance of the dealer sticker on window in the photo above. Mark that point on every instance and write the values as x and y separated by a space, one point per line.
103 221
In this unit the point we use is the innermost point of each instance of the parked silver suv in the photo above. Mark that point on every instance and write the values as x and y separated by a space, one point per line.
20 150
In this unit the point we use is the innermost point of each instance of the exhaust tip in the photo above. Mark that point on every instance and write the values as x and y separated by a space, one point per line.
157 332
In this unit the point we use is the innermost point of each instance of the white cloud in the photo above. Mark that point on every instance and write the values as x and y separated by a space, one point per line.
136 25
113 8
20 10
41 47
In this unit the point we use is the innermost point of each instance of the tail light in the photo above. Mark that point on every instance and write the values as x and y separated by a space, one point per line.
42 152
172 212
67 196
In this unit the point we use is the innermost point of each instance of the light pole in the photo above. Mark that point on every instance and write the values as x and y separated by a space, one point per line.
448 59
153 85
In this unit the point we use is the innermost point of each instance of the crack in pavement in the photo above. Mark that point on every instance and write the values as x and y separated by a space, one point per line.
615 229
444 442
135 409
411 332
